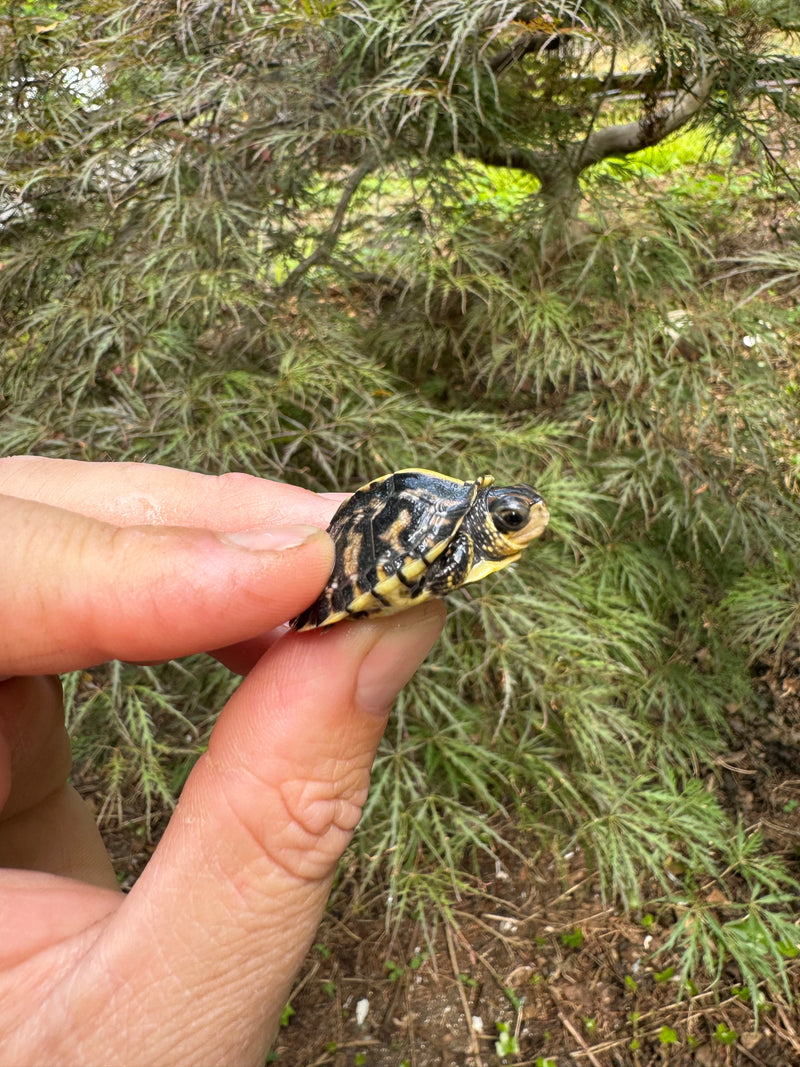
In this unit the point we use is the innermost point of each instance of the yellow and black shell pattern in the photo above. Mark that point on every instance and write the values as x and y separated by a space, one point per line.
416 534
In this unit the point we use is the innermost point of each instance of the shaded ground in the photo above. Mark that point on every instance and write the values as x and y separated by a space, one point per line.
535 949
573 980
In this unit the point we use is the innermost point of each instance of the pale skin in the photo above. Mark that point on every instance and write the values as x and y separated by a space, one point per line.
133 562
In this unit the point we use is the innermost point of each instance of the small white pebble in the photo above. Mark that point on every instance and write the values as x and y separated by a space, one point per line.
477 1024
362 1011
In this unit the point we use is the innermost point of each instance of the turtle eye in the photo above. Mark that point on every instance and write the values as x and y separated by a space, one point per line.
510 516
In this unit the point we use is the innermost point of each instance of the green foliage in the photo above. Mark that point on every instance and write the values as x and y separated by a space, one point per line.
286 1015
573 939
724 1035
752 927
283 240
506 1044
762 608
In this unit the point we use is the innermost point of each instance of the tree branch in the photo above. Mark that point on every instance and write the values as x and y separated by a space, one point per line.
600 144
523 46
649 130
548 36
510 156
329 238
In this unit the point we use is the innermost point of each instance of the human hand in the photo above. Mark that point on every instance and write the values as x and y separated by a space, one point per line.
195 964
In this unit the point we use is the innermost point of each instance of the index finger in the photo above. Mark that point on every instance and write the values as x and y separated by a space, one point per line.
146 494
78 591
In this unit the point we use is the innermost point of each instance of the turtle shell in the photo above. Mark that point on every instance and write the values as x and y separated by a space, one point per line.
414 534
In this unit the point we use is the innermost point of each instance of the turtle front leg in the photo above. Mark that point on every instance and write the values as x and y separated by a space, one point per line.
449 570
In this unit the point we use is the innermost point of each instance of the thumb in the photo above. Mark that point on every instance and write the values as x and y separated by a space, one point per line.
232 897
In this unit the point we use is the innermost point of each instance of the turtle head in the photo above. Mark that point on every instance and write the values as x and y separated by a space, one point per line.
518 513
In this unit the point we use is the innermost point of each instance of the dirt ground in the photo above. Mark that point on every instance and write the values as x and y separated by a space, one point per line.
573 980
536 950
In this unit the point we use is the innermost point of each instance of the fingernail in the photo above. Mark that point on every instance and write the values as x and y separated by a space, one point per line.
390 663
271 538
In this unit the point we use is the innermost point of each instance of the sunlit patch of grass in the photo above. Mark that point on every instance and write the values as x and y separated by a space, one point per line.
501 189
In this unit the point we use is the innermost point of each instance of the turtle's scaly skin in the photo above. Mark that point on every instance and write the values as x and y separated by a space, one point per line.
416 534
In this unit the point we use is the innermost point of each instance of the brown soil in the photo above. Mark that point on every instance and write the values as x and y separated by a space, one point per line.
574 980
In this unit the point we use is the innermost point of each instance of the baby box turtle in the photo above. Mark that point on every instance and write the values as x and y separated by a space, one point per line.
416 534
